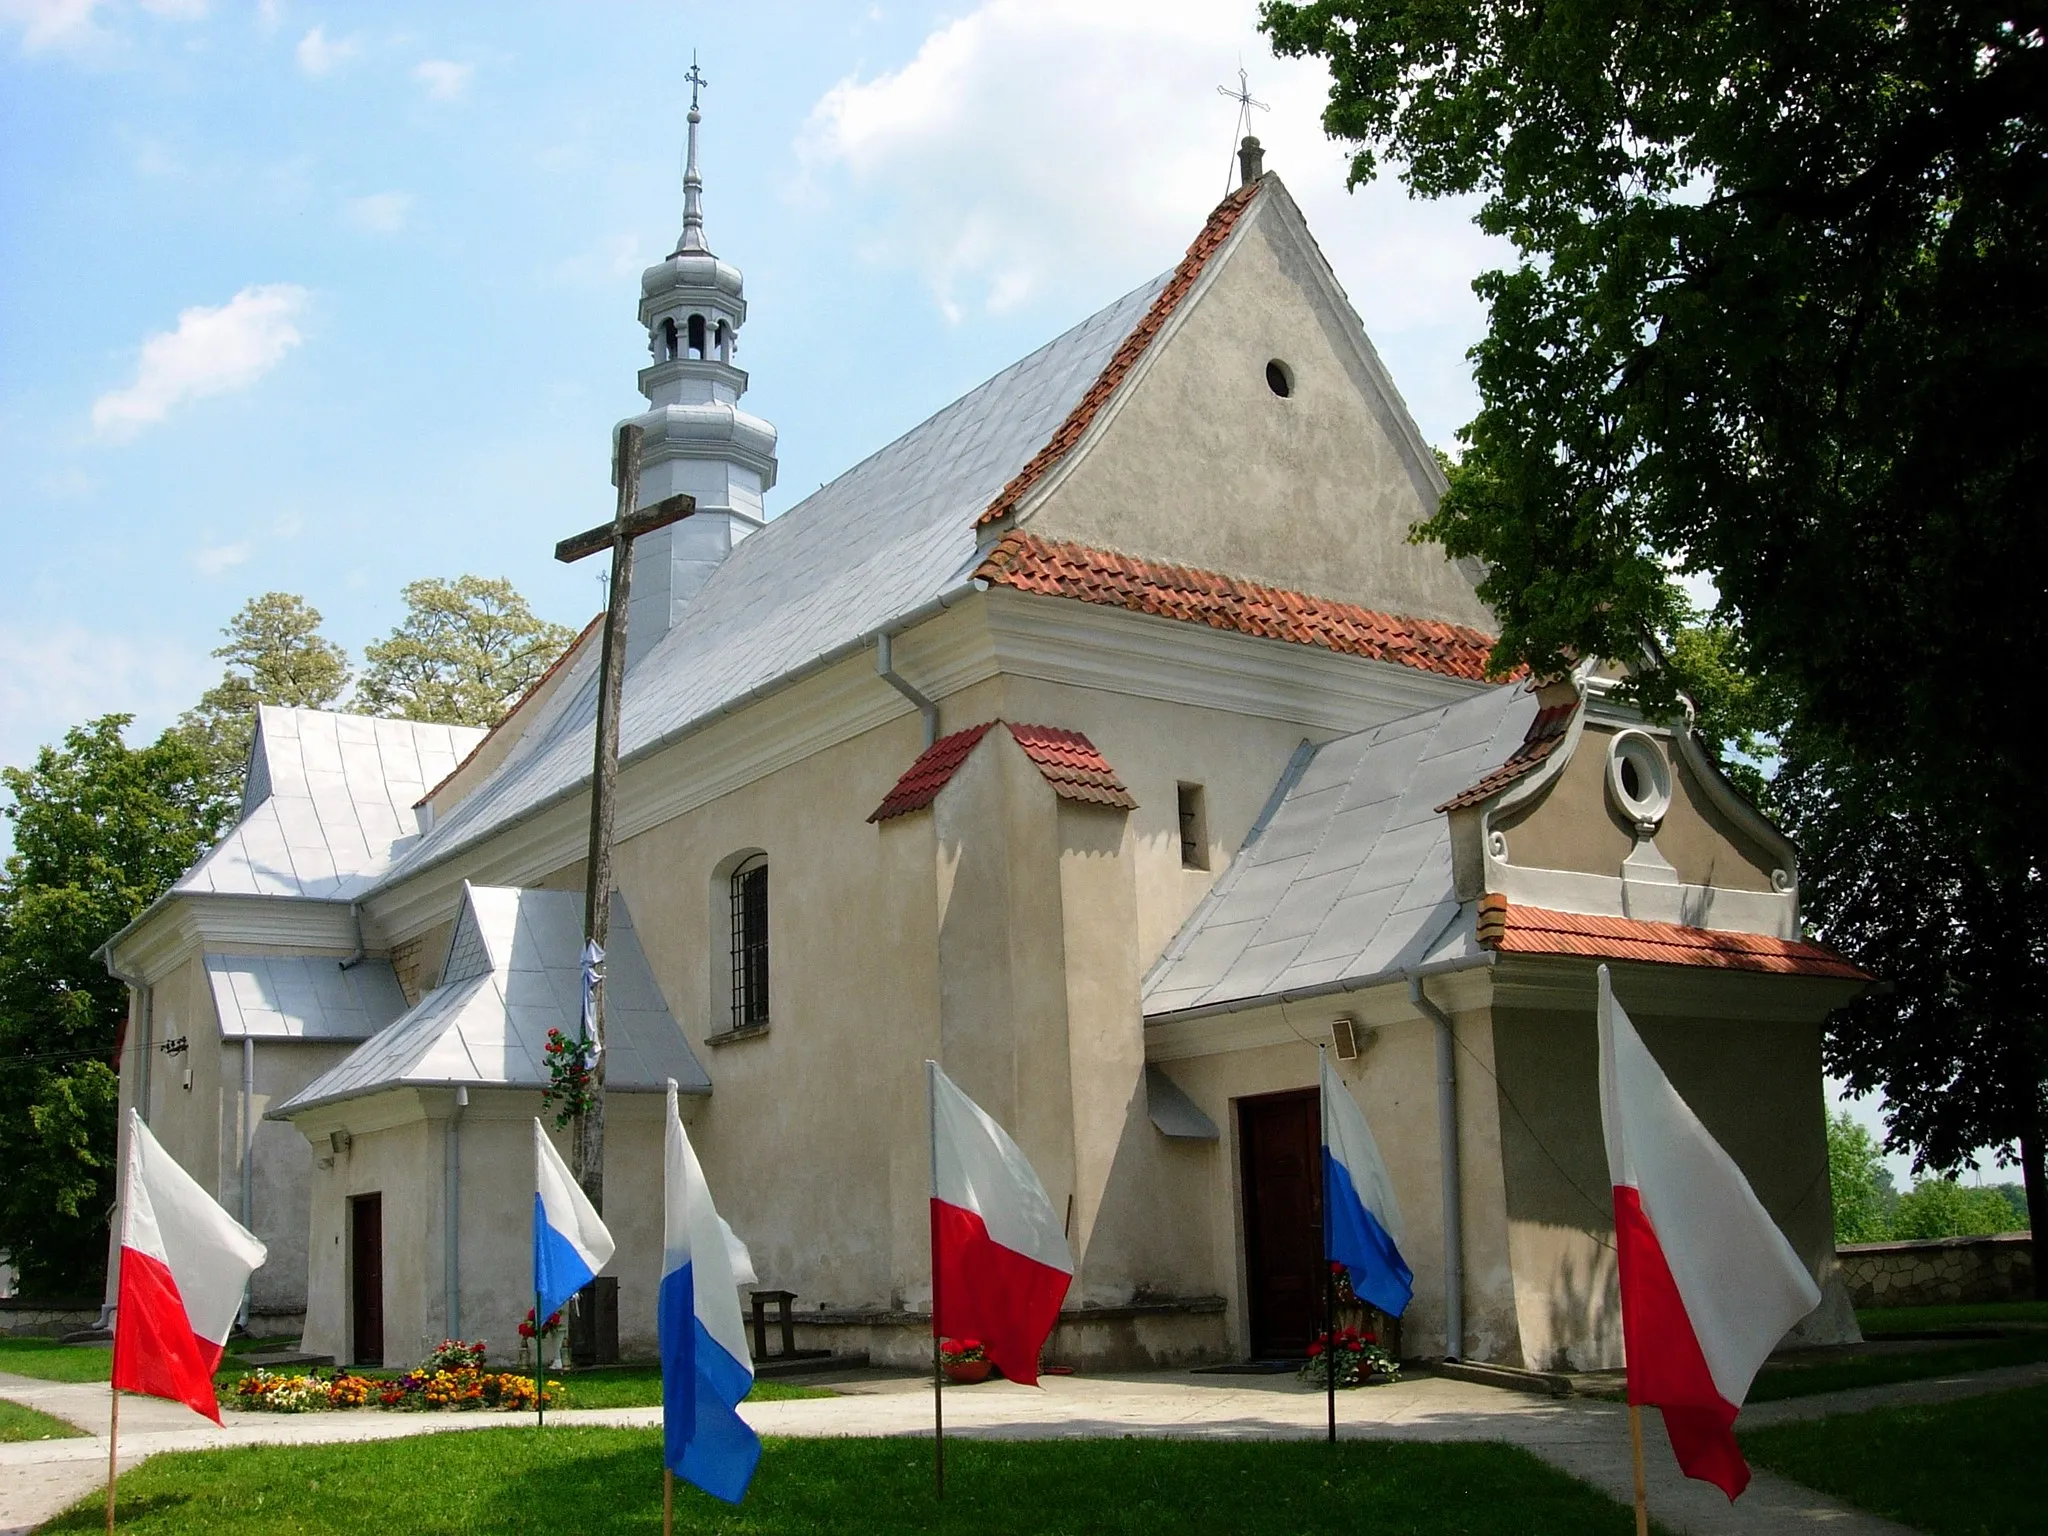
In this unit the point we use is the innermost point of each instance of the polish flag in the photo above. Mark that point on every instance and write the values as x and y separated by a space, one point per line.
1000 1264
1708 1283
184 1262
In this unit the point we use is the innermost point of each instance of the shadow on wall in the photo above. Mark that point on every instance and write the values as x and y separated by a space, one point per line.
1584 1306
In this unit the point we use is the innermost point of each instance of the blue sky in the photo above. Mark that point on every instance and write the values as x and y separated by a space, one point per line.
327 298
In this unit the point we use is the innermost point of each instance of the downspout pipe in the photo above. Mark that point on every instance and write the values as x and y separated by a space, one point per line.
1447 1158
248 1149
141 1006
885 669
451 1203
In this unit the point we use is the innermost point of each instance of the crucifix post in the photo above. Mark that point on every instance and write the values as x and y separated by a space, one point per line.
627 524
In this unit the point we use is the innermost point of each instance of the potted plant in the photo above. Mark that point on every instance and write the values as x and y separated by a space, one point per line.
963 1360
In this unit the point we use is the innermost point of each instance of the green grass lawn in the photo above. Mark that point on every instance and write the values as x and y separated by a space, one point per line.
47 1360
1987 1314
1971 1468
1802 1376
599 1482
19 1423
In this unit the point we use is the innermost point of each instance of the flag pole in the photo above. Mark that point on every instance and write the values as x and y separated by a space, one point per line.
1329 1274
668 1502
540 1368
931 1105
113 1440
1635 1435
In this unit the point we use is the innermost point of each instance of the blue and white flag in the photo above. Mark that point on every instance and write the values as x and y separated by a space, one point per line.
706 1368
570 1242
1361 1222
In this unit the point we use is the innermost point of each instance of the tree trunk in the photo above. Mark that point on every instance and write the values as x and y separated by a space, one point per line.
2036 1175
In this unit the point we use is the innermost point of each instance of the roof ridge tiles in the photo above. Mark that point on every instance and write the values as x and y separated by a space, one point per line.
1513 928
1028 563
1067 760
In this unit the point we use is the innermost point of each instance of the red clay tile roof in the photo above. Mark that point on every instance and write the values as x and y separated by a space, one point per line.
1545 734
1072 765
1126 356
1537 931
1070 762
1031 564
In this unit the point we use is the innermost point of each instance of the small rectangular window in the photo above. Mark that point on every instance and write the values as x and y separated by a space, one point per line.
1194 828
750 945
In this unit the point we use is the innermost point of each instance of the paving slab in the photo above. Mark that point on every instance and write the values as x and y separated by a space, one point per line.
1584 1437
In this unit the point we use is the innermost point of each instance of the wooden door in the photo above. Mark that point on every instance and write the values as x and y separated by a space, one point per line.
1280 1139
366 1277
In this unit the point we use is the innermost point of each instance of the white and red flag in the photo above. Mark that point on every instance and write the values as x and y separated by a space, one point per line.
1708 1283
1000 1263
184 1262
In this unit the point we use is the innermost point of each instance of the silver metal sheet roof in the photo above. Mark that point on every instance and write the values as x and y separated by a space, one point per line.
1349 877
329 802
885 538
302 997
486 1025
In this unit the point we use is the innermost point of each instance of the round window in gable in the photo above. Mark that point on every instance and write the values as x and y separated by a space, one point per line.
1279 378
1638 779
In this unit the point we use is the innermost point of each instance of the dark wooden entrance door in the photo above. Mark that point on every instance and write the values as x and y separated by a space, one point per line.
366 1277
1280 1136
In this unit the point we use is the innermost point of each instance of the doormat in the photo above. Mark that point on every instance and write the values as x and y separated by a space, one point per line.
1253 1368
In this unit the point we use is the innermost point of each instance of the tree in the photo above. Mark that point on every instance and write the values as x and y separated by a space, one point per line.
1775 317
1957 1038
275 655
465 652
100 829
1944 1208
1859 1181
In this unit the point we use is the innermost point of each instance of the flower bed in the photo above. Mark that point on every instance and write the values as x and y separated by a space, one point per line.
1359 1360
452 1377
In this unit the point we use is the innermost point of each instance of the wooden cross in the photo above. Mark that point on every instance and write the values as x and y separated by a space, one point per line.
627 524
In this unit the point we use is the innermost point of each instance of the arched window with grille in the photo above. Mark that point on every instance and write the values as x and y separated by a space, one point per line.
749 895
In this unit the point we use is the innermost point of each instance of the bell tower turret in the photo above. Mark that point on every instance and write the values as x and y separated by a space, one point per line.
697 439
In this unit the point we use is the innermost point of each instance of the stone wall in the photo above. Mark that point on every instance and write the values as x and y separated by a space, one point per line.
1939 1270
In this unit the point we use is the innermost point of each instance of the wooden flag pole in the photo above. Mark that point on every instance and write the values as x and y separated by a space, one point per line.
1635 1435
931 1104
668 1502
540 1367
113 1441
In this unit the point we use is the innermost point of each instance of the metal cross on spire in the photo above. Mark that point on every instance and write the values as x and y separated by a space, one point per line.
1245 102
696 78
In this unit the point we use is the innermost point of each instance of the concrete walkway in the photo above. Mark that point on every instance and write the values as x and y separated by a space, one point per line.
1583 1437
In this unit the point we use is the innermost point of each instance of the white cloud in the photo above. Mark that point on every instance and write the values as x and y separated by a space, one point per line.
444 79
319 56
72 24
53 677
211 559
214 349
381 213
1041 148
269 16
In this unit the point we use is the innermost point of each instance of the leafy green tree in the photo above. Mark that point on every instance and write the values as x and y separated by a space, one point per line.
464 653
1944 1208
1859 1181
100 828
275 655
1774 317
1957 1038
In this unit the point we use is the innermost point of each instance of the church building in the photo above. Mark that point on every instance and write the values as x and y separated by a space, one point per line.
1103 738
